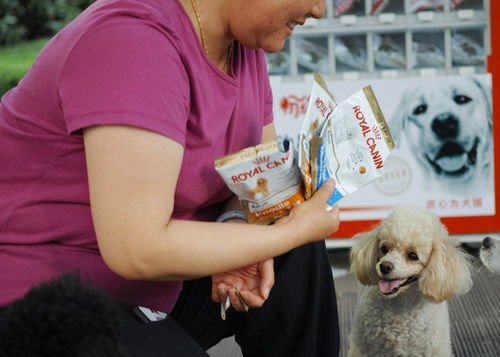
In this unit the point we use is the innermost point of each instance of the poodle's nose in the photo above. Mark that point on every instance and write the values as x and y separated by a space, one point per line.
445 126
487 242
386 267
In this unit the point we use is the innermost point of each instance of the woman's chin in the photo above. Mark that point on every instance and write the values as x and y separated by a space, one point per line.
273 47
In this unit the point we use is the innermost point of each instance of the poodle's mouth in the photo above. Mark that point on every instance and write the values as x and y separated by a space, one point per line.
452 159
389 287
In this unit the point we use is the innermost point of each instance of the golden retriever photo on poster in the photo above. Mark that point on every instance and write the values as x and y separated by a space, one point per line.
446 125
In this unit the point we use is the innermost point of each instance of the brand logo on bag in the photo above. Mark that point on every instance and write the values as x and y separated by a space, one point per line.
371 141
261 160
376 132
262 165
324 108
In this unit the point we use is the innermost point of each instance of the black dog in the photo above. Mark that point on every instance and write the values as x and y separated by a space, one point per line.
61 318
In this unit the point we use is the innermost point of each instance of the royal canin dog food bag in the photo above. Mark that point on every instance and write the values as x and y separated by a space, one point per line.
349 141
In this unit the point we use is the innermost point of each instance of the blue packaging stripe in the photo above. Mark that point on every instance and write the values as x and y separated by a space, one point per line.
323 174
334 198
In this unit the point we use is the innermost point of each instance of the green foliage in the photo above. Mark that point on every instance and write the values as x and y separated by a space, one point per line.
28 19
25 26
15 61
11 30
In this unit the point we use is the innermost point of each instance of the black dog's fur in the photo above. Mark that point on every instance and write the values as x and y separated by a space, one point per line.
61 318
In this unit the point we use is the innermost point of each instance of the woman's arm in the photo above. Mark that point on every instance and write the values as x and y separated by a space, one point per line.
132 178
268 133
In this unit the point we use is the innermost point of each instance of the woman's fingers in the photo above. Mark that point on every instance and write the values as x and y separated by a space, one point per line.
325 191
235 300
251 298
313 219
267 278
239 300
242 300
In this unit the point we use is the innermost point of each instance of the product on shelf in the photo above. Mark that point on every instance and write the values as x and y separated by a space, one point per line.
378 6
388 53
466 51
422 5
456 3
427 53
394 6
466 4
351 53
311 55
344 6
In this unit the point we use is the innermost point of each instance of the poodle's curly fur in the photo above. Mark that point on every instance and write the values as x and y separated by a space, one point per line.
64 317
409 267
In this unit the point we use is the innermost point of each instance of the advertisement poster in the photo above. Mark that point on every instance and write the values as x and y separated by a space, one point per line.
444 155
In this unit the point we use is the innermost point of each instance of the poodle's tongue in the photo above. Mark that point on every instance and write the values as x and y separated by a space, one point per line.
386 286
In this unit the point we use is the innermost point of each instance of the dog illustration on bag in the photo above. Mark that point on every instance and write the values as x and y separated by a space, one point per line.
259 191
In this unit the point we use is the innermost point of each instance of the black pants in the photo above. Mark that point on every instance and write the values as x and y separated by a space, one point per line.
298 319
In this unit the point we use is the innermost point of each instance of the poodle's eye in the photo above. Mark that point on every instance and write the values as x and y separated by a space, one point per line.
384 249
412 256
461 99
422 108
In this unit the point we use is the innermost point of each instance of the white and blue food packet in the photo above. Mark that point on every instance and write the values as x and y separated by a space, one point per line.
352 146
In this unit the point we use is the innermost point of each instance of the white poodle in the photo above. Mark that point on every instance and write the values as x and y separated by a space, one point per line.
490 254
410 268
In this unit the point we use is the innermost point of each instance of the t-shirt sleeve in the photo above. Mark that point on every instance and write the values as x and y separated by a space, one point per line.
126 71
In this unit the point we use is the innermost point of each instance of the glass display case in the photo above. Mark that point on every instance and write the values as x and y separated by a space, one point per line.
312 54
370 38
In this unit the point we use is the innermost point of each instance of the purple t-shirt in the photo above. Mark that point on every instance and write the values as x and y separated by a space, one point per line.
131 62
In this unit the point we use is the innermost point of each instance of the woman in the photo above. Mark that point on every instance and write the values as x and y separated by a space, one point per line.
107 157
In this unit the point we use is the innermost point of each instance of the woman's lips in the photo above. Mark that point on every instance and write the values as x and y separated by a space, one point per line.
291 25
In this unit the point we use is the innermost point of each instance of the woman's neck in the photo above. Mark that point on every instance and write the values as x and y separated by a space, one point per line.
209 20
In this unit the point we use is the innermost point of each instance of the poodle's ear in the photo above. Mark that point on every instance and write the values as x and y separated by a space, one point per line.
363 257
447 273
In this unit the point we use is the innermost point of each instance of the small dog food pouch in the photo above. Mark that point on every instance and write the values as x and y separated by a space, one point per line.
353 145
266 178
320 107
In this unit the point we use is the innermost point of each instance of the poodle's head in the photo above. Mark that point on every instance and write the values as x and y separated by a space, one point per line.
411 246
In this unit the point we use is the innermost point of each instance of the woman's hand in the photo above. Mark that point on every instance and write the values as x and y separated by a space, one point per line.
254 281
310 221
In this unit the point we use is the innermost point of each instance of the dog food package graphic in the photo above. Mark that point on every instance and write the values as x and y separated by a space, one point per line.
320 107
266 178
353 145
